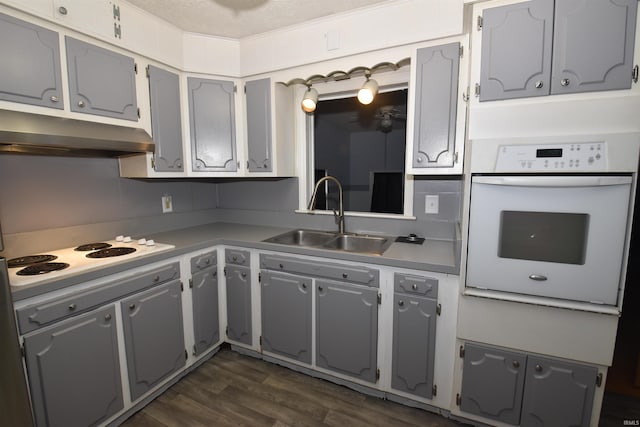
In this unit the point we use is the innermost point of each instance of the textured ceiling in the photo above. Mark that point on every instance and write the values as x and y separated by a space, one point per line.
241 18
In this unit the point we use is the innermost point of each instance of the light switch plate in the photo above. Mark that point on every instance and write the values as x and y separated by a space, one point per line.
167 204
431 204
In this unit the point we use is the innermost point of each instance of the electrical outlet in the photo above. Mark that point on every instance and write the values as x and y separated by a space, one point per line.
431 204
167 204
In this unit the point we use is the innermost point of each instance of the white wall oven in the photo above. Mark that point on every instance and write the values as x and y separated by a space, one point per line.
550 219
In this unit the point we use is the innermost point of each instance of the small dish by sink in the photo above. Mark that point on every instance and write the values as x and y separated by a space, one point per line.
359 243
302 238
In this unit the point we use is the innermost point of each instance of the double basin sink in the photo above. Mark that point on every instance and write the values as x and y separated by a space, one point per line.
358 243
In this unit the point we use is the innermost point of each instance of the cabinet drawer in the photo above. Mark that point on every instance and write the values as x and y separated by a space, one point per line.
35 316
419 285
350 273
237 257
203 261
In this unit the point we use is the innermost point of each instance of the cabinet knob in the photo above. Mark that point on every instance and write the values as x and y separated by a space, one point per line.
81 104
345 275
235 258
400 303
156 279
281 266
419 160
132 306
62 10
54 98
244 274
179 164
539 84
515 364
320 288
72 307
414 287
538 368
304 286
215 273
107 317
564 82
208 261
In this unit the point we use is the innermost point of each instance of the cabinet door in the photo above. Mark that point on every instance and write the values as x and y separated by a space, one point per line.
154 336
414 338
206 325
212 120
74 370
516 50
101 82
347 329
593 45
258 94
238 303
166 123
492 383
557 393
286 315
436 106
30 69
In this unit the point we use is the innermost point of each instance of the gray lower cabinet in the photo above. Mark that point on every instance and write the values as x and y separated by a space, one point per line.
436 106
414 339
527 390
74 370
166 122
286 315
212 124
238 280
258 97
154 336
206 324
30 68
540 47
347 329
101 82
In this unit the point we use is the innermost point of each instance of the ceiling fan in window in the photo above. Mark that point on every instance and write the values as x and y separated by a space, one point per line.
386 117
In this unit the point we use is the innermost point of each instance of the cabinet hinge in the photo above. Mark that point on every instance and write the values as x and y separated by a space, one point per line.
181 287
458 399
461 51
434 390
461 351
377 374
465 95
439 309
260 342
245 88
379 299
147 71
455 158
479 23
116 12
194 349
135 67
138 113
24 354
117 31
634 74
186 354
477 90
599 380
224 270
190 283
247 164
226 331
260 281
235 88
153 163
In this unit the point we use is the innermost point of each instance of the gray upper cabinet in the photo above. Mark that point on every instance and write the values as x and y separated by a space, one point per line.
74 370
238 281
258 97
593 45
436 106
206 325
492 383
212 124
153 356
347 329
557 393
516 50
166 123
539 48
30 69
286 315
101 82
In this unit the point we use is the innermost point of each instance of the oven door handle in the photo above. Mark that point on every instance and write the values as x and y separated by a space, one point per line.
553 181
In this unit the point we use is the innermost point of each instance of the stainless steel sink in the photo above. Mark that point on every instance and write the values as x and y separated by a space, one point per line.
358 243
302 238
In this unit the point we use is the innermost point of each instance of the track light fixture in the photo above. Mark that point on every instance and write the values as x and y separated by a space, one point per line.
368 91
309 100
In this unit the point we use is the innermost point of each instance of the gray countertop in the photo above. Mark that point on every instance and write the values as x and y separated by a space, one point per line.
440 256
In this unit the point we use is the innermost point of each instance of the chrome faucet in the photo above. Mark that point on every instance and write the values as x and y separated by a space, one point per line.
339 215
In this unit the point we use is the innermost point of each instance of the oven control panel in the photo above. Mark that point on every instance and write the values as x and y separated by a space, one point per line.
564 157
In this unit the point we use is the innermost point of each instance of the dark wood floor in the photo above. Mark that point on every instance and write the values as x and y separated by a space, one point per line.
235 390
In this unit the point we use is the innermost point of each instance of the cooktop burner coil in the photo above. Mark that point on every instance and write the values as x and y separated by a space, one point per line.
30 259
111 252
42 268
92 246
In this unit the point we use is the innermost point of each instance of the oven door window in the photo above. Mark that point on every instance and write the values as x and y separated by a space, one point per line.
543 236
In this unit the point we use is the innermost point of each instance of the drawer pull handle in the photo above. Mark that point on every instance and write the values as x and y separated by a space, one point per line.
132 306
72 307
156 279
538 277
400 303
516 364
538 368
345 275
414 287
107 317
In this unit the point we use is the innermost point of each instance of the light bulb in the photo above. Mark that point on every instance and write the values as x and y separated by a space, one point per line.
368 91
310 100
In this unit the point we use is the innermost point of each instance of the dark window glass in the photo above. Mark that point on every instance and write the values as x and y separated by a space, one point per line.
543 236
